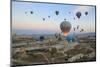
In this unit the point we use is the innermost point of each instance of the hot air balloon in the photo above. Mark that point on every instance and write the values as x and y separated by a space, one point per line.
57 12
48 16
69 12
56 35
25 12
82 29
70 37
86 13
74 18
31 12
78 27
65 27
43 19
74 29
78 14
65 19
41 38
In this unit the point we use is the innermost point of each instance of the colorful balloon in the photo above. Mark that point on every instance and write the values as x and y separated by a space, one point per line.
65 27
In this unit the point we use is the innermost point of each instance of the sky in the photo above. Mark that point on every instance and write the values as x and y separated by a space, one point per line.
33 23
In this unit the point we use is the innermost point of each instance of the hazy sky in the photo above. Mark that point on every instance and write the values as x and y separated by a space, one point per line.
33 23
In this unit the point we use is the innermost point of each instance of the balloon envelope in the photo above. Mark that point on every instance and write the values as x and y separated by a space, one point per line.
65 19
25 12
57 12
82 29
43 19
41 38
70 37
78 14
78 27
69 12
74 18
65 27
86 13
74 29
31 12
48 16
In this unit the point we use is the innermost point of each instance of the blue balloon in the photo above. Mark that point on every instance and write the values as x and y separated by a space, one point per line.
42 38
70 37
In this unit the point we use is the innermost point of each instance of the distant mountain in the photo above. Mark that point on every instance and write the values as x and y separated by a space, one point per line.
30 32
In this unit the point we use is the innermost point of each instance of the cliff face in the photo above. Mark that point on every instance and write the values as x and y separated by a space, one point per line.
54 50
